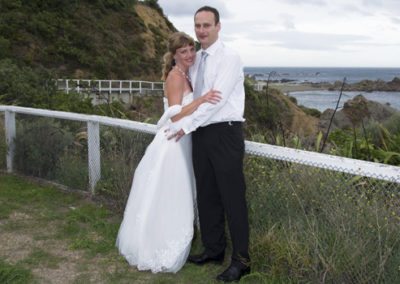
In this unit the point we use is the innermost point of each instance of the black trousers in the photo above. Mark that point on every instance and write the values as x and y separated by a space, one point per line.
218 151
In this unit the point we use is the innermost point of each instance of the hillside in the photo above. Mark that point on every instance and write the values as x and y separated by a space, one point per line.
113 39
274 118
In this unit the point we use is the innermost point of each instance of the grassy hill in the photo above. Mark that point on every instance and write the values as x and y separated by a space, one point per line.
111 39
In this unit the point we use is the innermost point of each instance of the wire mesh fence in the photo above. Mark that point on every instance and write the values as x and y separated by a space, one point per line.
313 218
317 225
121 151
52 149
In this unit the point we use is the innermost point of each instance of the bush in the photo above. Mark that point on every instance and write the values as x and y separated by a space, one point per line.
39 145
25 87
311 111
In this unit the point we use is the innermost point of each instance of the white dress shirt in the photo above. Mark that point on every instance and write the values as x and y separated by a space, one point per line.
224 73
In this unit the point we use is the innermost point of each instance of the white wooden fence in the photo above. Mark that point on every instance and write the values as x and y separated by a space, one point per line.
108 86
119 86
339 164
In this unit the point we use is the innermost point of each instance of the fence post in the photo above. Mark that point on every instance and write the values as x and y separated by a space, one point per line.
93 154
66 86
10 138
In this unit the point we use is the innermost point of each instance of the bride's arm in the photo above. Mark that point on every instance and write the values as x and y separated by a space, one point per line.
174 88
212 96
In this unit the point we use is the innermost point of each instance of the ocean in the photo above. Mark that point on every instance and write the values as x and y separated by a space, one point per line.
322 74
324 99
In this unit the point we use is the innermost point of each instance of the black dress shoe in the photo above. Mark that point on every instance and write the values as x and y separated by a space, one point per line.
204 258
233 273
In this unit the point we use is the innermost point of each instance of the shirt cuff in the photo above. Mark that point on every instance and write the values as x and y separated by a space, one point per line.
187 126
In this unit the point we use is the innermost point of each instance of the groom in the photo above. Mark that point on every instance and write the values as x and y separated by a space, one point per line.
218 149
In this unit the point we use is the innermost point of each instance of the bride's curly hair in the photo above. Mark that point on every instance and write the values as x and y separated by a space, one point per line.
175 41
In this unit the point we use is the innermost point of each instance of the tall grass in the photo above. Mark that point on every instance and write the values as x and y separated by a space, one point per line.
313 225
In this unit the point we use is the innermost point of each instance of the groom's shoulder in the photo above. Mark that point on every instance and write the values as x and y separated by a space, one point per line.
229 51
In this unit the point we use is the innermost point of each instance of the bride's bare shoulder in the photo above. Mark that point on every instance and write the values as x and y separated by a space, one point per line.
174 84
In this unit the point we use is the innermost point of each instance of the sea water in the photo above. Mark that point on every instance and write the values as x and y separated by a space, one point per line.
322 74
324 99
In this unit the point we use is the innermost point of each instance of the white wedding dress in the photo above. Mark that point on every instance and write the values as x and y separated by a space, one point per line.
157 228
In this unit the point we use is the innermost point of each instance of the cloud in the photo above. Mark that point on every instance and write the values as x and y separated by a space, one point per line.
372 3
314 41
349 8
396 20
304 2
358 32
183 8
287 21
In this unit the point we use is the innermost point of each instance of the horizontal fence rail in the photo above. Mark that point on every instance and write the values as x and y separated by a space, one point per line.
119 86
108 86
335 163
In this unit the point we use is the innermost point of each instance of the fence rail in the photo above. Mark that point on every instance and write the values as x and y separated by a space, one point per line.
108 86
118 86
318 160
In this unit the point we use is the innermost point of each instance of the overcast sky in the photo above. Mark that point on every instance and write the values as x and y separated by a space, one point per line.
348 33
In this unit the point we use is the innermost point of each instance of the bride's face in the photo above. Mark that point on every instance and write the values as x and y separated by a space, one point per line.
185 56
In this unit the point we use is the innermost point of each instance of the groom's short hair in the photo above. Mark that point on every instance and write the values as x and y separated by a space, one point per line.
209 9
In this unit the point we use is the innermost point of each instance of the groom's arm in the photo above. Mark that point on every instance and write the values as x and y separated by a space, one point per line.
229 71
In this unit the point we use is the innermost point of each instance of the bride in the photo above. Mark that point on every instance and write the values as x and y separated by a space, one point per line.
157 228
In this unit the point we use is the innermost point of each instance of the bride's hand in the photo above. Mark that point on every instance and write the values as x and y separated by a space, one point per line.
212 96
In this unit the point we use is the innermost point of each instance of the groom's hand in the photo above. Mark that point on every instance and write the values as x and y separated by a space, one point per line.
178 135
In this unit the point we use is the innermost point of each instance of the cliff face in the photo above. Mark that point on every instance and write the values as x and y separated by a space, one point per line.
85 39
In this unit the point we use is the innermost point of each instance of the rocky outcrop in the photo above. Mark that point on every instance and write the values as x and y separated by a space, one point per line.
354 112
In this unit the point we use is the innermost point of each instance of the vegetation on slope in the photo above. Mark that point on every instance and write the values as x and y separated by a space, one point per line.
105 39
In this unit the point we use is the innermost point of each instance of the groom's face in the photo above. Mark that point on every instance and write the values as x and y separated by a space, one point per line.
206 29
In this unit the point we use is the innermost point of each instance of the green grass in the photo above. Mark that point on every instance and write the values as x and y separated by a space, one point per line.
308 225
40 257
65 229
14 274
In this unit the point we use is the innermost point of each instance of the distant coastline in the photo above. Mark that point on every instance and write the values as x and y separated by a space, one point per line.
323 100
321 74
318 87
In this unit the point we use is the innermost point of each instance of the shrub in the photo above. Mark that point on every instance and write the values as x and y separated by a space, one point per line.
311 111
39 145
